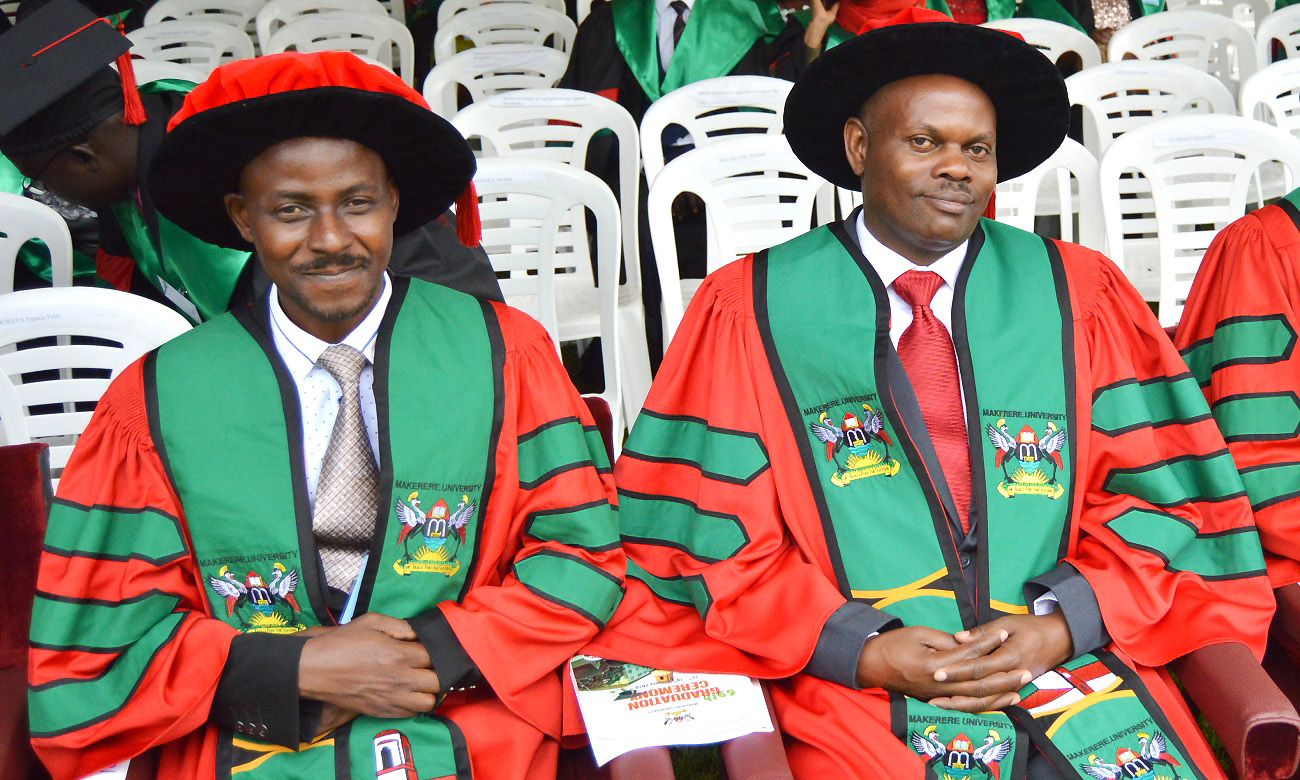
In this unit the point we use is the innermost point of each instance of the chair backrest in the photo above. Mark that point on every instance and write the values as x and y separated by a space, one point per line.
1053 39
490 71
1282 27
1118 96
1200 171
236 13
1247 13
1203 40
1064 185
498 23
200 44
277 13
756 194
365 34
449 8
88 335
712 109
558 124
159 70
534 217
22 220
1273 95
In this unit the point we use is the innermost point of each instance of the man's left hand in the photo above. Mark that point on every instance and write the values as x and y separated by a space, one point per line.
1035 643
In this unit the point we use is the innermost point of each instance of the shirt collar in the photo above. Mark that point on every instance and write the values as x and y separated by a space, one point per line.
305 349
890 265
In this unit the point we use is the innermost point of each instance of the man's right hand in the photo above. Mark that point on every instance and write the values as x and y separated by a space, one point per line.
905 660
373 666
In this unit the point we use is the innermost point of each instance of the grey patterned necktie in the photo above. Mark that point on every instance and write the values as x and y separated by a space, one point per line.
343 518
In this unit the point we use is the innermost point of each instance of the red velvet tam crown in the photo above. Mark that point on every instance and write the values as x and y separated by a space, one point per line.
246 107
1026 89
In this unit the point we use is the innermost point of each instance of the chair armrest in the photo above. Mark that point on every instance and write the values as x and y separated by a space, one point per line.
651 763
758 756
1286 623
1257 724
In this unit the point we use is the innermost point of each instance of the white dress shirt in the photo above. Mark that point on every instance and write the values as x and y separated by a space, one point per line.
319 394
667 17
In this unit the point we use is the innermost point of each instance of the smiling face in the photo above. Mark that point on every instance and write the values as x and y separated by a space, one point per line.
320 213
924 149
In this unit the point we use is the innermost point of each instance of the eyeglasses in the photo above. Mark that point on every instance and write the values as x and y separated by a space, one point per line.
33 183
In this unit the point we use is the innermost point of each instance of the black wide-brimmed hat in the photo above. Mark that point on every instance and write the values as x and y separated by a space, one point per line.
1027 91
246 107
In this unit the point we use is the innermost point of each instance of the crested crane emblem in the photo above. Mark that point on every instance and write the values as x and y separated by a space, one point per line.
258 605
959 758
864 442
1151 760
438 534
1030 462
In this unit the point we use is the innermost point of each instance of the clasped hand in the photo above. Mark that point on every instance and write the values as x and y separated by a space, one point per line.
373 665
973 671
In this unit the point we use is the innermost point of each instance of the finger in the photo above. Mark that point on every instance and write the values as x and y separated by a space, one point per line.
991 686
984 667
394 627
976 704
939 641
415 655
964 658
980 631
424 681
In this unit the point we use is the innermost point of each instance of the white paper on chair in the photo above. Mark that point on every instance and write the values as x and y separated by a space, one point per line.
1204 137
115 772
513 99
724 96
484 60
626 707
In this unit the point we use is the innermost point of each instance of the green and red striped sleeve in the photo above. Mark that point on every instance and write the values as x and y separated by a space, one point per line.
1165 535
122 654
1238 336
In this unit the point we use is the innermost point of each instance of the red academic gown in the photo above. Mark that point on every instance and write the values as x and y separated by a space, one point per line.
1247 285
770 600
515 637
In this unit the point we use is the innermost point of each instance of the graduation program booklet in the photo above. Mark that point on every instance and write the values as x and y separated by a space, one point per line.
626 706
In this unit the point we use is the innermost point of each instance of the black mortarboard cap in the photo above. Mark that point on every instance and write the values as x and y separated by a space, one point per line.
49 54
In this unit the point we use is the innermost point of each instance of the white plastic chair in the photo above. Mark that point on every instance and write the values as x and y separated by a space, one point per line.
449 8
1282 26
277 13
535 232
492 70
236 13
558 125
499 23
712 109
756 194
1053 39
1273 94
130 324
1073 193
1247 13
159 70
364 34
1201 171
1200 39
22 220
1119 96
197 43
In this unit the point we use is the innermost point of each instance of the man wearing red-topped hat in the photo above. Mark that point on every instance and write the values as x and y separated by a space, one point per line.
1032 507
352 528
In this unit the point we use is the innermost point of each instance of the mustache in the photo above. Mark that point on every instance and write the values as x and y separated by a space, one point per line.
955 186
332 262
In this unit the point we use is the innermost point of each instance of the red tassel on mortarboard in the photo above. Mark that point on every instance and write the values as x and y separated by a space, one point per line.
468 227
132 108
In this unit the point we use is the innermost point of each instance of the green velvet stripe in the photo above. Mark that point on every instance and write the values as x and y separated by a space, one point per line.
677 523
69 705
1227 555
553 449
1271 484
720 454
571 582
686 591
591 526
1150 403
1258 416
1166 484
109 533
103 626
1241 341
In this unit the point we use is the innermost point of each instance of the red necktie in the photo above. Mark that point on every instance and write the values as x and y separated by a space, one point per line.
679 24
925 349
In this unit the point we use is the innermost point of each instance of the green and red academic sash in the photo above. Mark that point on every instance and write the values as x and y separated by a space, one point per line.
233 450
824 317
717 36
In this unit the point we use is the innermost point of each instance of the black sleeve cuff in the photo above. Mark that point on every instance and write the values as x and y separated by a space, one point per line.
1078 604
257 695
835 659
456 670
